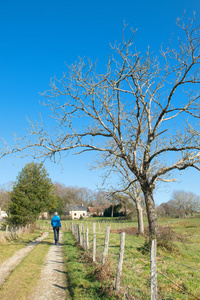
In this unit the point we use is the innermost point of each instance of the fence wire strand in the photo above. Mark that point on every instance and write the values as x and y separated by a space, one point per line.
185 292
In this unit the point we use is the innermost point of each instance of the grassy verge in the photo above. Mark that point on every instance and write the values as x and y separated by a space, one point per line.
8 248
178 268
81 276
25 276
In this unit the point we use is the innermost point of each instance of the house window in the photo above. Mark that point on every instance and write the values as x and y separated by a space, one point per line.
83 214
74 214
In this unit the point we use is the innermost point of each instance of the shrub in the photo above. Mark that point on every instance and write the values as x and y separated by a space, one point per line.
166 240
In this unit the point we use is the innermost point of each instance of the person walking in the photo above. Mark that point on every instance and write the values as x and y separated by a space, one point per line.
55 223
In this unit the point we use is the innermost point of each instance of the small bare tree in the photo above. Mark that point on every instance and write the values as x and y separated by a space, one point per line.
127 186
185 203
4 198
143 110
134 192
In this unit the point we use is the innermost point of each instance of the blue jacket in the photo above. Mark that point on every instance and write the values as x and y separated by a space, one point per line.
55 221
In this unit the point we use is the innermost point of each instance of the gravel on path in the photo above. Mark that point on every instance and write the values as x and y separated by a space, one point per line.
8 266
52 283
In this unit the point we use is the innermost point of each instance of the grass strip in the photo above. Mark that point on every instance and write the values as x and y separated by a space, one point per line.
8 248
25 276
82 284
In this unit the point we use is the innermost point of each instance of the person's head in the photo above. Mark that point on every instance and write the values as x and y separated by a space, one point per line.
55 214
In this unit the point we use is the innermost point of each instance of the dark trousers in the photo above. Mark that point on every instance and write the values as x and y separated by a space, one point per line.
56 233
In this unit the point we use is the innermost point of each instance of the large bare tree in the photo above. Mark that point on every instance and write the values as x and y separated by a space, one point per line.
143 109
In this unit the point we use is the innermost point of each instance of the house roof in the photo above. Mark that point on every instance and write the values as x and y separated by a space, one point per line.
95 209
76 207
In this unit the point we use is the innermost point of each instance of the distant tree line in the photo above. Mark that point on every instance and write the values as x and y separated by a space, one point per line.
182 204
33 193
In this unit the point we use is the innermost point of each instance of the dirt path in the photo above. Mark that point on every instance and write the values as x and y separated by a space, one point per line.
52 282
8 266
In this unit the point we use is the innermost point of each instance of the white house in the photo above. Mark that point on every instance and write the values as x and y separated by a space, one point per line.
76 211
3 214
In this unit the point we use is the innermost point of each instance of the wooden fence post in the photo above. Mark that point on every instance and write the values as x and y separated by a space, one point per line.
11 233
153 271
77 232
79 235
94 242
71 227
84 244
120 262
6 231
81 238
15 231
87 240
74 229
106 244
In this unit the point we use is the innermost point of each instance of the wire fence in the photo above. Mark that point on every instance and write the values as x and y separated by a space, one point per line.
12 232
136 279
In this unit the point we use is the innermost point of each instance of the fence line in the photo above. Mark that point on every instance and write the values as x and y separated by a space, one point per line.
152 279
74 230
12 232
16 230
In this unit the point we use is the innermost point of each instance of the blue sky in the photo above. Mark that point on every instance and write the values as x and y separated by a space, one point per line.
39 37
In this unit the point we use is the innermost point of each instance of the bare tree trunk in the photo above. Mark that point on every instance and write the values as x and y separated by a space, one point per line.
151 213
125 209
140 218
112 211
